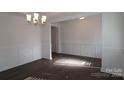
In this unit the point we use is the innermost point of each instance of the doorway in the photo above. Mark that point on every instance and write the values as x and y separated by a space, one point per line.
54 39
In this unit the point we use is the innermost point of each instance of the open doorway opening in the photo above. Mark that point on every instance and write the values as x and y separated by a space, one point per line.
54 39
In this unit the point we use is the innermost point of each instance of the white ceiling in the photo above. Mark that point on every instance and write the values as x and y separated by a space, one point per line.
48 14
63 16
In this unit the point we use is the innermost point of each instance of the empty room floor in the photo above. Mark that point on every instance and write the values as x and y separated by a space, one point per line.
62 67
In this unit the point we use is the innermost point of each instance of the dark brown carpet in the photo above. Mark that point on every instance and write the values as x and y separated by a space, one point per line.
62 67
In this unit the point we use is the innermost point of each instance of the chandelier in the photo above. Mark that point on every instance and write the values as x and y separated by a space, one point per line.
35 18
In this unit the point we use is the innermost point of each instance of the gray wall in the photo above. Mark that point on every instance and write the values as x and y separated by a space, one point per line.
46 41
20 42
82 37
113 41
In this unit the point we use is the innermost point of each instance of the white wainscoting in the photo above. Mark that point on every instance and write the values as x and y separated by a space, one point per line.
46 51
113 58
89 50
13 56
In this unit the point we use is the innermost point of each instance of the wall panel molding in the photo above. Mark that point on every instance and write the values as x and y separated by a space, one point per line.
90 50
